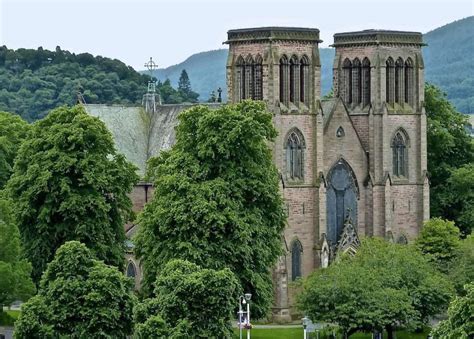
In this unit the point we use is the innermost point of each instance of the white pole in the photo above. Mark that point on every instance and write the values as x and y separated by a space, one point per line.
304 336
248 319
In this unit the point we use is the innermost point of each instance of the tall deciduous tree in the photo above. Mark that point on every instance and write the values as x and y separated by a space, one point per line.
13 131
460 322
383 286
439 240
69 183
15 280
217 200
79 297
449 147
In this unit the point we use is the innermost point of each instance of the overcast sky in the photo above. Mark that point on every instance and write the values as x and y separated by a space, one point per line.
172 30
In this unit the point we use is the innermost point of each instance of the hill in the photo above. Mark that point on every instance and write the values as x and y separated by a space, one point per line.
32 82
448 64
449 61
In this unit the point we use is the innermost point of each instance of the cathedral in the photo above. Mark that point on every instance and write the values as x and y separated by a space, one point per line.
351 166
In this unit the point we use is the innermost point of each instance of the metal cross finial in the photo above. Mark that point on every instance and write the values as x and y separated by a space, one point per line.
151 65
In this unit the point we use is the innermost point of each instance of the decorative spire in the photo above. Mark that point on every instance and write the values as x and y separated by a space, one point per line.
151 99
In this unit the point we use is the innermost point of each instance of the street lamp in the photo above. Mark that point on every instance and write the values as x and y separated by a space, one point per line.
244 300
305 321
248 296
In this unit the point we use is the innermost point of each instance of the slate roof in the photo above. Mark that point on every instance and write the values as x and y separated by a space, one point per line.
137 134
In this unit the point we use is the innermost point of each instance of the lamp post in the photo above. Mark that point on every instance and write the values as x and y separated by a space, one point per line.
305 321
248 296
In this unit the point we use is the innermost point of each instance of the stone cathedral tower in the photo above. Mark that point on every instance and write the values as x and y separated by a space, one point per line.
351 166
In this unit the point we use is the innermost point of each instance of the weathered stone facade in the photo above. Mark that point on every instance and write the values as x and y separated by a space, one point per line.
347 150
359 156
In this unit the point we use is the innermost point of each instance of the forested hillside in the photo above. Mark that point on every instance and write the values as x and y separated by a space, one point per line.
449 61
448 64
32 82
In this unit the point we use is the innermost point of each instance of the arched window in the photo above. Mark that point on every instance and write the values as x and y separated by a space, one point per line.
342 194
294 79
399 82
296 251
304 80
365 82
240 78
400 154
294 155
131 271
340 132
356 81
258 78
284 80
390 80
347 81
248 93
402 239
409 84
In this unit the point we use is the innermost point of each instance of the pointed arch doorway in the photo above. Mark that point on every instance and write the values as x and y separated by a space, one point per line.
341 200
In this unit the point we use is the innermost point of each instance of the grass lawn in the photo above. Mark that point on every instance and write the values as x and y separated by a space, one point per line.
273 333
297 333
7 318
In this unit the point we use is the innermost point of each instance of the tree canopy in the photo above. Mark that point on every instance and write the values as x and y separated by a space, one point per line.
15 280
69 183
189 297
13 131
79 297
216 200
383 286
460 322
33 82
439 240
184 88
449 149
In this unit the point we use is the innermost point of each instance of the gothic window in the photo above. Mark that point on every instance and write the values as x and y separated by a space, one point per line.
294 81
284 79
409 84
304 80
365 82
131 271
347 81
294 155
402 239
390 81
258 78
248 92
340 132
240 78
400 154
399 82
356 81
341 200
296 251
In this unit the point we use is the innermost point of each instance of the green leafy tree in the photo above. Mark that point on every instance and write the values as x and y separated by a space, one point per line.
13 131
168 94
462 270
383 286
15 280
33 82
449 147
79 297
439 239
459 196
460 322
216 200
69 183
190 297
184 88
